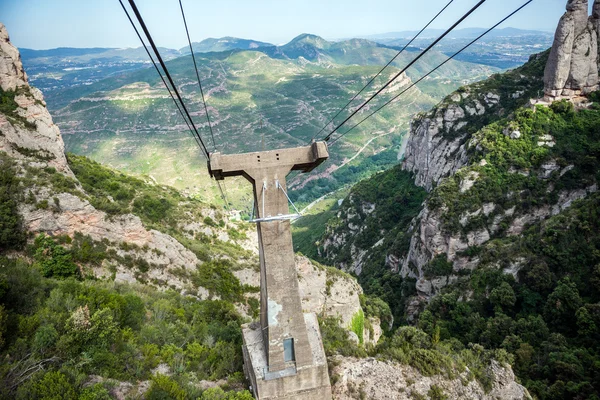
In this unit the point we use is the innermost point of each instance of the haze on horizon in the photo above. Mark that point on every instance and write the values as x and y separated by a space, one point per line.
42 24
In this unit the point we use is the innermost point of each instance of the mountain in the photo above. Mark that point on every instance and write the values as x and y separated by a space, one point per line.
276 96
115 287
465 33
224 44
502 48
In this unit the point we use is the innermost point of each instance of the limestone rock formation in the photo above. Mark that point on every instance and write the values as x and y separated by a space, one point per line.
34 132
572 67
378 380
325 291
12 74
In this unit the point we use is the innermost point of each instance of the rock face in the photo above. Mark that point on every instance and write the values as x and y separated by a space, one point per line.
429 154
378 380
572 67
12 74
324 291
38 135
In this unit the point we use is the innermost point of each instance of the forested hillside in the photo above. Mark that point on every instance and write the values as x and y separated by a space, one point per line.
504 251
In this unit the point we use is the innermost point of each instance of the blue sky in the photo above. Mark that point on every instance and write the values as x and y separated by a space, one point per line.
43 24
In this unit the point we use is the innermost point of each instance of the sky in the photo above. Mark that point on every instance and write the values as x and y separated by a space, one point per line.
44 24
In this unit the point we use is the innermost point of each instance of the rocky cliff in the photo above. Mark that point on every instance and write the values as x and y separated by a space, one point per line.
436 145
378 380
573 63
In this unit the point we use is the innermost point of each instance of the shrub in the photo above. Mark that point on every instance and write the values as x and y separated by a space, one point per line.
52 385
439 266
357 325
564 107
335 339
95 392
218 394
216 276
154 209
163 388
52 259
436 393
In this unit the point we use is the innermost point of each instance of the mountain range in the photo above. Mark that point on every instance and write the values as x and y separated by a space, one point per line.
465 33
272 96
65 67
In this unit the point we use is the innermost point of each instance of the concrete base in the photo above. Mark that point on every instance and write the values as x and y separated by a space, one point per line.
310 382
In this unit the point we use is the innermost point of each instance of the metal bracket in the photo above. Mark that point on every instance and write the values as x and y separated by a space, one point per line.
279 217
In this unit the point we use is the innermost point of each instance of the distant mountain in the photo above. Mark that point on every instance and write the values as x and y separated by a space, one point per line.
467 33
74 56
27 54
66 67
224 44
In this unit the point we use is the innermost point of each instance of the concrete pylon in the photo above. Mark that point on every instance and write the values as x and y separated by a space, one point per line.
283 355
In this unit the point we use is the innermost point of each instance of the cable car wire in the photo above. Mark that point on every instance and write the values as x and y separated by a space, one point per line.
432 71
198 76
382 69
168 75
160 74
198 142
465 16
221 188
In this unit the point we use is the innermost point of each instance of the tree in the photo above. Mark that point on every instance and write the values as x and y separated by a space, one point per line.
12 235
503 296
562 305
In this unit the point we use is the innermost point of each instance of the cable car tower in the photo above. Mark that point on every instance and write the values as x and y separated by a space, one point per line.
283 354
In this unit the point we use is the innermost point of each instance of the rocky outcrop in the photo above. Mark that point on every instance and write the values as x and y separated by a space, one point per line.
12 74
326 292
30 131
378 380
436 146
572 67
353 218
430 154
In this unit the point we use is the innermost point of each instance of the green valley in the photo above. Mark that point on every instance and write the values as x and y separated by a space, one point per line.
274 96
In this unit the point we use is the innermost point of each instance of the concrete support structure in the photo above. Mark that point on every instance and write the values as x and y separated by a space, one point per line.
283 357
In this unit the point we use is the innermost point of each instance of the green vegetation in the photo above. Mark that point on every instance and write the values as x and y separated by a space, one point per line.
59 326
413 346
52 259
357 325
159 207
58 332
542 318
11 232
548 319
513 175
